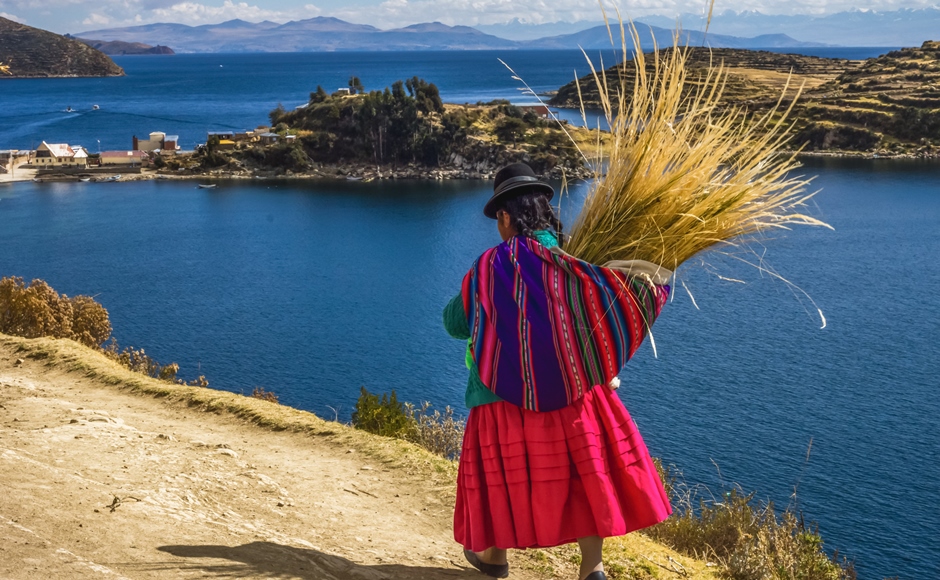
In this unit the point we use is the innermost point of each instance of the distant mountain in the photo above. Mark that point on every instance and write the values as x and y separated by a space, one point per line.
32 52
904 27
331 34
311 35
517 30
121 48
599 38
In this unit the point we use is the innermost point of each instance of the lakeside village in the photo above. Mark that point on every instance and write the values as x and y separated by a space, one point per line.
64 162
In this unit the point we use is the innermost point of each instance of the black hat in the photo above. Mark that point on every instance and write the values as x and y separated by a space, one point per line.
513 180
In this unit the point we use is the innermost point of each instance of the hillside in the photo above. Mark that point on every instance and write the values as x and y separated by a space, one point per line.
121 48
32 52
109 473
884 105
753 75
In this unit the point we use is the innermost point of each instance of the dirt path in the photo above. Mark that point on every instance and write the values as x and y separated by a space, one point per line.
99 483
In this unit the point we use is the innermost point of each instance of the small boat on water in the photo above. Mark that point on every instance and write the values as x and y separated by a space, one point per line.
95 107
84 179
353 178
206 185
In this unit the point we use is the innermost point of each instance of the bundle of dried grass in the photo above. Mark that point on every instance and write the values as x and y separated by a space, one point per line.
684 172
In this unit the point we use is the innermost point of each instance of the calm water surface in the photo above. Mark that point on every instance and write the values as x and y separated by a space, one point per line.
313 289
190 94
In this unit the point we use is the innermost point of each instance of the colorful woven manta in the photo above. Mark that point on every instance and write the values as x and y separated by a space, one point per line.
546 327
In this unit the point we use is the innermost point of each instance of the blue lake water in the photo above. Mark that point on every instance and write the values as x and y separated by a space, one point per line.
312 289
188 95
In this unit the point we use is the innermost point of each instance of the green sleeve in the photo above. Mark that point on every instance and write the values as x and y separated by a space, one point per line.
455 319
455 322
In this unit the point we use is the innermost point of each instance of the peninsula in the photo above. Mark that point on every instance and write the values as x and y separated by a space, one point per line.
886 106
32 52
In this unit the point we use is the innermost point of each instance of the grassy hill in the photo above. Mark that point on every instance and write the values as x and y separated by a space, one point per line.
888 104
31 52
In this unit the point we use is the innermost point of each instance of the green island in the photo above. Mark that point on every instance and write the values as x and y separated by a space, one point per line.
402 131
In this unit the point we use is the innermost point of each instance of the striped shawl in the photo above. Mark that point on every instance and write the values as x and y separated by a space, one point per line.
546 327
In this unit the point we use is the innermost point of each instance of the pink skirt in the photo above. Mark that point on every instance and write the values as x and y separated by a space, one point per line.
535 480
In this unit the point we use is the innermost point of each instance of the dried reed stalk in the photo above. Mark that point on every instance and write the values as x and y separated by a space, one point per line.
684 172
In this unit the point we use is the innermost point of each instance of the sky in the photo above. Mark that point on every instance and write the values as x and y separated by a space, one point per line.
73 16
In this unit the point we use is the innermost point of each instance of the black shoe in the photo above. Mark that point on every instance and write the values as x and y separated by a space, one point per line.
494 570
596 576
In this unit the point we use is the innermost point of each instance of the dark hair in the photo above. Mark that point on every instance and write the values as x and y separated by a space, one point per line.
531 211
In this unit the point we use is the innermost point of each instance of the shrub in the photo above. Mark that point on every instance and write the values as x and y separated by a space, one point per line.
138 361
38 310
385 416
748 538
260 393
440 433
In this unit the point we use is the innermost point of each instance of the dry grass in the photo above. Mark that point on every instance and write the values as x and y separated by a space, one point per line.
748 538
684 173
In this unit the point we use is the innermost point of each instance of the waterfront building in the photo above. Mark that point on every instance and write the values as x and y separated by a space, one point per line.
131 158
60 155
269 138
158 141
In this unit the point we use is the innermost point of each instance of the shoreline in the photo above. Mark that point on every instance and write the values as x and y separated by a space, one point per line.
367 173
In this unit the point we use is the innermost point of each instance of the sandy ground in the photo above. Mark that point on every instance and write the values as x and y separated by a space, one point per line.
98 483
22 173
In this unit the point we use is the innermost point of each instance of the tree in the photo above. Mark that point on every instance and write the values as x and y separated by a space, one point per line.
510 129
319 96
355 86
277 113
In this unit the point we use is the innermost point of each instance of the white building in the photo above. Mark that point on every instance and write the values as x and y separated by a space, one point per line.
60 155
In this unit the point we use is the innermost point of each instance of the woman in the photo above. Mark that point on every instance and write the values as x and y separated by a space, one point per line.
550 455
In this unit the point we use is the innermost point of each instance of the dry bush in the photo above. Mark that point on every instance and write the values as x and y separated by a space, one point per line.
138 361
748 538
90 323
38 310
440 433
260 393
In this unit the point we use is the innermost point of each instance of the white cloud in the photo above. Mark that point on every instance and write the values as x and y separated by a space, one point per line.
12 17
96 19
392 13
196 13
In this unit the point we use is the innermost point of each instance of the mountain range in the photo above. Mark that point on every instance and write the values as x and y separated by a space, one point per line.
904 27
331 34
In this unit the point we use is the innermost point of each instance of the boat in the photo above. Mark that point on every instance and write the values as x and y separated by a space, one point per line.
353 178
84 179
206 185
95 107
69 110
